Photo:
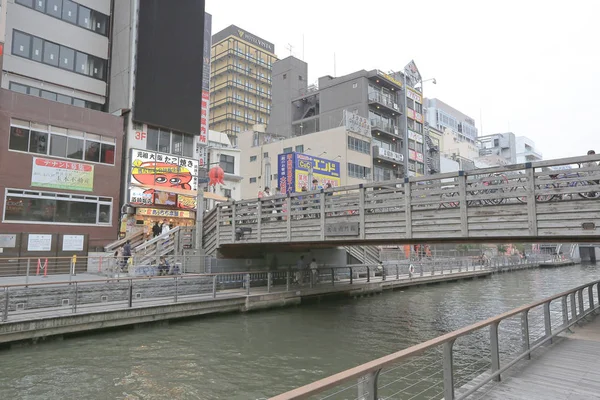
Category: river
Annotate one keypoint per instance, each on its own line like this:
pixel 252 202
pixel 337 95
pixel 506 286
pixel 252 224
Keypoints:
pixel 257 355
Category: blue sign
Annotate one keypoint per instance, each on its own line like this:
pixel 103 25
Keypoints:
pixel 293 171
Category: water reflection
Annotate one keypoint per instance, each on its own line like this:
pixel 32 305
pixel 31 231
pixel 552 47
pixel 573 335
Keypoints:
pixel 251 356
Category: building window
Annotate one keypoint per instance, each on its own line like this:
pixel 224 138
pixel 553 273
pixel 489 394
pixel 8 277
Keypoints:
pixel 252 180
pixel 265 155
pixel 287 150
pixel 227 193
pixel 56 208
pixel 71 12
pixel 227 163
pixel 299 77
pixel 61 142
pixel 58 56
pixel 252 158
pixel 354 85
pixel 300 148
pixel 361 146
pixel 358 171
pixel 176 143
pixel 284 76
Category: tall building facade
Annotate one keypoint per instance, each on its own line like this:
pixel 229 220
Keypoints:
pixel 527 151
pixel 391 104
pixel 240 83
pixel 57 50
pixel 502 145
pixel 163 105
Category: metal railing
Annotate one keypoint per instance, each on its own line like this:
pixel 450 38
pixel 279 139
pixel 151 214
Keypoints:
pixel 527 201
pixel 446 372
pixel 118 285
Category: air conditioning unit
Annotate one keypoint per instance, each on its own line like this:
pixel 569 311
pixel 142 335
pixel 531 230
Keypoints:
pixel 395 106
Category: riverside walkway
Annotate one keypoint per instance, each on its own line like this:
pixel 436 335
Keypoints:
pixel 56 307
pixel 526 353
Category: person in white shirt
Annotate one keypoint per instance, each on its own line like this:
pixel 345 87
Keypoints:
pixel 165 227
pixel 314 270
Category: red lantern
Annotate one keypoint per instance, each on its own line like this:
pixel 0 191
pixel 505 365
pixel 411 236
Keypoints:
pixel 216 175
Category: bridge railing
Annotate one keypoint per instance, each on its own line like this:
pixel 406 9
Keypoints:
pixel 523 200
pixel 444 368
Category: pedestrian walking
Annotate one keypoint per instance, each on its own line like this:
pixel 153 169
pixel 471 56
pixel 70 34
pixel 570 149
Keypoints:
pixel 314 270
pixel 127 252
pixel 299 270
pixel 156 229
pixel 165 227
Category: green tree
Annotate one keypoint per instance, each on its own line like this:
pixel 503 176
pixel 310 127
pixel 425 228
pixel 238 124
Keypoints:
pixel 502 248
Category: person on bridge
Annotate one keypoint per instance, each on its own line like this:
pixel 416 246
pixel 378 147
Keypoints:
pixel 314 271
pixel 127 252
pixel 156 230
pixel 165 227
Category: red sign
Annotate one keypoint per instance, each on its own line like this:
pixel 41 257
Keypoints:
pixel 204 118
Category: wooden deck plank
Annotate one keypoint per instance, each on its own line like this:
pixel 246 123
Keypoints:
pixel 565 371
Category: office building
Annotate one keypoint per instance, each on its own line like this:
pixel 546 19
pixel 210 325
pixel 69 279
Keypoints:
pixel 57 50
pixel 340 156
pixel 527 150
pixel 500 145
pixel 240 81
pixel 159 83
pixel 394 115
pixel 443 116
pixel 222 153
pixel 59 154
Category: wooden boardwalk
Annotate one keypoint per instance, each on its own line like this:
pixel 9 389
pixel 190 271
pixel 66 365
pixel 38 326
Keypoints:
pixel 527 202
pixel 567 370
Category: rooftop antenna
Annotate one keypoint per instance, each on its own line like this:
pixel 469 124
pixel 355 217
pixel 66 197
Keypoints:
pixel 334 73
pixel 289 47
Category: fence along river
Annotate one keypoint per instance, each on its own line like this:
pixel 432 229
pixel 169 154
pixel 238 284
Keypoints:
pixel 258 355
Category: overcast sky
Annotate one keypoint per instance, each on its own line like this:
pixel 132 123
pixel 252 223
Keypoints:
pixel 531 67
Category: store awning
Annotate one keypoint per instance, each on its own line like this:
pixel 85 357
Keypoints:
pixel 190 193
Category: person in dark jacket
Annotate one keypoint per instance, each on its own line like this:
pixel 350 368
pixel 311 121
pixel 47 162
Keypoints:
pixel 156 229
pixel 126 252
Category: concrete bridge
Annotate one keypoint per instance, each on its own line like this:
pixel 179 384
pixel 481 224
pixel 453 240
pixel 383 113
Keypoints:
pixel 554 200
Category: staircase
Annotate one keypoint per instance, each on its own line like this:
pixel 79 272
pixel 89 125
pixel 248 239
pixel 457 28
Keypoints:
pixel 369 255
pixel 168 244
pixel 135 239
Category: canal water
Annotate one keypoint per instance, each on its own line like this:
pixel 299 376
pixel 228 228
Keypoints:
pixel 257 355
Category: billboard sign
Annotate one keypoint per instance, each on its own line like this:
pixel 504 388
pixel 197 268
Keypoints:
pixel 357 124
pixel 203 139
pixel 162 179
pixel 294 170
pixel 58 174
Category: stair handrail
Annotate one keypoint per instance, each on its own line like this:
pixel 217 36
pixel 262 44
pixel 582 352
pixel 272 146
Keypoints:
pixel 121 242
pixel 156 239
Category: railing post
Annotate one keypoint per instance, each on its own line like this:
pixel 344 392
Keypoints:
pixel 176 289
pixel 448 366
pixel 547 321
pixel 214 286
pixel 495 350
pixel 75 300
pixel 233 214
pixel 573 306
pixel 323 198
pixel 462 198
pixel 361 211
pixel 383 275
pixel 288 221
pixel 332 277
pixel 408 208
pixel 367 386
pixel 368 274
pixel 525 333
pixel 269 280
pixel 259 220
pixel 531 204
pixel 421 269
pixel 565 310
pixel 247 276
pixel 27 275
pixel 287 280
pixel 351 276
pixel 5 312
pixel 580 299
pixel 130 293
pixel 397 272
pixel 591 296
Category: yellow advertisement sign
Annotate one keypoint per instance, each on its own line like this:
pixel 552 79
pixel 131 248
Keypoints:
pixel 302 180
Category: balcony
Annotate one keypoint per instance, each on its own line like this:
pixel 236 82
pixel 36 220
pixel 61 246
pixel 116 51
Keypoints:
pixel 241 55
pixel 383 101
pixel 378 125
pixel 387 155
pixel 245 87
pixel 531 155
